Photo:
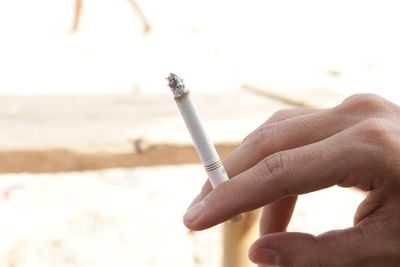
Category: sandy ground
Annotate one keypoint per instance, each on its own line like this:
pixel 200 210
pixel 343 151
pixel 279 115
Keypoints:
pixel 119 217
pixel 127 217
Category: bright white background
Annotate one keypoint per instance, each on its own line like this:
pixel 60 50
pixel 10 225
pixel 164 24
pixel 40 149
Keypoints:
pixel 215 45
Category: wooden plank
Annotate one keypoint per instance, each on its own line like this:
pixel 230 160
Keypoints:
pixel 238 237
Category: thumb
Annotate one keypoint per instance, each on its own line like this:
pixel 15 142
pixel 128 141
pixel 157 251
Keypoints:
pixel 347 247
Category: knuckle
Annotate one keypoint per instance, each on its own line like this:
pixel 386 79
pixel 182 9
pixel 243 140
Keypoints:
pixel 271 168
pixel 256 139
pixel 378 132
pixel 253 138
pixel 280 115
pixel 246 140
pixel 274 164
pixel 369 103
pixel 267 126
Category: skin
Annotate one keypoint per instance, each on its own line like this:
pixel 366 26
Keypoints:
pixel 298 151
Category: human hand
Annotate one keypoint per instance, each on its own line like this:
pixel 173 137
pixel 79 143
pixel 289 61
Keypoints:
pixel 356 143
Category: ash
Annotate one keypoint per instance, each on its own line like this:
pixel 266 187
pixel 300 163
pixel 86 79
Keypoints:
pixel 176 84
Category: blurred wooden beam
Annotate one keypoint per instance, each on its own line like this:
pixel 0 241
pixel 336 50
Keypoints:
pixel 238 238
pixel 133 3
pixel 77 15
pixel 143 18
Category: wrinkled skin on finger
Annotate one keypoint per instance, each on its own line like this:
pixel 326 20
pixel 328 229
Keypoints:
pixel 355 144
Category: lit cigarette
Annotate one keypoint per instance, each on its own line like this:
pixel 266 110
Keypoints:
pixel 205 148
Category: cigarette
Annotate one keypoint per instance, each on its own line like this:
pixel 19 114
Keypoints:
pixel 204 147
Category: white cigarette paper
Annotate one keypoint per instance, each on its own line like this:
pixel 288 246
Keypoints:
pixel 204 147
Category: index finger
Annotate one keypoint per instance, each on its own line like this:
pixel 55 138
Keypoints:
pixel 291 172
pixel 234 163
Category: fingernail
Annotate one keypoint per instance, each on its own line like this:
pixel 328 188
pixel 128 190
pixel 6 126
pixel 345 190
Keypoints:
pixel 266 256
pixel 194 212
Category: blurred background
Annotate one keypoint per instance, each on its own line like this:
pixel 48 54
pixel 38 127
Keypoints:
pixel 96 165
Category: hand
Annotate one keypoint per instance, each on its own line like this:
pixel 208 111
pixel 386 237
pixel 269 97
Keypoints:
pixel 356 143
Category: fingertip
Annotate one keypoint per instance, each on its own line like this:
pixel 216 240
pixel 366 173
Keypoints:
pixel 277 248
pixel 192 216
pixel 257 245
pixel 207 188
pixel 266 256
pixel 193 226
pixel 253 248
